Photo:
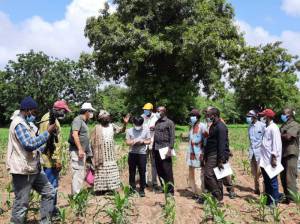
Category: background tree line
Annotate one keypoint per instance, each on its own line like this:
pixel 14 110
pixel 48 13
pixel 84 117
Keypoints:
pixel 181 54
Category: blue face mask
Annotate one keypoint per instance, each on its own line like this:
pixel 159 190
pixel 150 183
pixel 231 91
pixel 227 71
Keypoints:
pixel 193 120
pixel 249 120
pixel 147 112
pixel 30 118
pixel 284 118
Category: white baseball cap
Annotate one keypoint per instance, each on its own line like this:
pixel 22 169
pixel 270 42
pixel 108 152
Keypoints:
pixel 87 106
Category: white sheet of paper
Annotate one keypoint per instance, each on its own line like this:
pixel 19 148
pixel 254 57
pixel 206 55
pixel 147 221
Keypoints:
pixel 163 152
pixel 223 172
pixel 272 172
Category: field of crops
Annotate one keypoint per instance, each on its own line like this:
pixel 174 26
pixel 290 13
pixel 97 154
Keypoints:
pixel 123 207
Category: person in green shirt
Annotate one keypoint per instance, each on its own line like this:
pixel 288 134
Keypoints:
pixel 51 157
pixel 290 132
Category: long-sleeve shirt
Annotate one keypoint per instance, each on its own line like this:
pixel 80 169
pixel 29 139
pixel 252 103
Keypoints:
pixel 217 142
pixel 256 132
pixel 164 134
pixel 271 145
pixel 28 142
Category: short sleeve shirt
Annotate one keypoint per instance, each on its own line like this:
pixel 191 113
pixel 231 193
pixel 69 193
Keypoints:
pixel 79 125
pixel 142 134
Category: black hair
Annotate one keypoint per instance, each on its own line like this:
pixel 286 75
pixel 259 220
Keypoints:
pixel 138 120
pixel 83 111
pixel 215 111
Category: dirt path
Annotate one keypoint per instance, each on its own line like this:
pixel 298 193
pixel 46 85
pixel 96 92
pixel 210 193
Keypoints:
pixel 149 209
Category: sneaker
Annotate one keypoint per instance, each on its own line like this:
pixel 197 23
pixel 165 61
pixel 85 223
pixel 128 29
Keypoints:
pixel 157 189
pixel 232 195
pixel 142 193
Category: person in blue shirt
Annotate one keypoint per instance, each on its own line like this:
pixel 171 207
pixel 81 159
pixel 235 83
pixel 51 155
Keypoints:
pixel 255 132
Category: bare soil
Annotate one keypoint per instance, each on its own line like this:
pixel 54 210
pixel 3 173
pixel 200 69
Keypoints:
pixel 149 209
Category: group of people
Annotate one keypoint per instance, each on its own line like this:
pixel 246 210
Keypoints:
pixel 270 148
pixel 34 154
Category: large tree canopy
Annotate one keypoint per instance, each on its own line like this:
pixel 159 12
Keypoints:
pixel 165 49
pixel 46 80
pixel 265 77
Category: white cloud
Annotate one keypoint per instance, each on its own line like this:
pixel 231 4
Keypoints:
pixel 63 38
pixel 258 35
pixel 291 7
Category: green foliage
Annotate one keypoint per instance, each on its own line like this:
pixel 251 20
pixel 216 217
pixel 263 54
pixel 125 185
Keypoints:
pixel 261 206
pixel 262 68
pixel 276 214
pixel 296 198
pixel 46 80
pixel 9 190
pixel 212 209
pixel 113 99
pixel 164 50
pixel 169 208
pixel 62 213
pixel 79 202
pixel 120 205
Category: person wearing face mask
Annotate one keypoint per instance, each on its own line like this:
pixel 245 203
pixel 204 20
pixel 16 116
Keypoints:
pixel 80 146
pixel 290 133
pixel 51 157
pixel 138 138
pixel 107 177
pixel 23 163
pixel 150 119
pixel 215 153
pixel 270 154
pixel 255 132
pixel 164 136
pixel 197 136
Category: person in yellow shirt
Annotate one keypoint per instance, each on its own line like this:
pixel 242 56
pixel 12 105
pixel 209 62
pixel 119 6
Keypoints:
pixel 51 157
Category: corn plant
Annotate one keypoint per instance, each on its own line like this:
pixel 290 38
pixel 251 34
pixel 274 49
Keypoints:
pixel 79 202
pixel 246 165
pixel 296 198
pixel 261 206
pixel 9 190
pixel 64 159
pixel 276 214
pixel 169 208
pixel 212 210
pixel 62 214
pixel 120 206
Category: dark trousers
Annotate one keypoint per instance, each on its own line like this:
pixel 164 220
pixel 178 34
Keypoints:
pixel 271 187
pixel 22 185
pixel 227 182
pixel 289 175
pixel 164 170
pixel 212 184
pixel 137 161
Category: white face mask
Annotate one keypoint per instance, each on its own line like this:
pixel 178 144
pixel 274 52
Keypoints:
pixel 158 115
pixel 138 128
pixel 91 115
pixel 62 117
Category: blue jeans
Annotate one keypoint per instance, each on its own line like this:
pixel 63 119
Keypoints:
pixel 53 175
pixel 22 185
pixel 271 187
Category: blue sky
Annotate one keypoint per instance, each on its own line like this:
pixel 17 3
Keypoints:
pixel 56 26
pixel 19 10
pixel 265 13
